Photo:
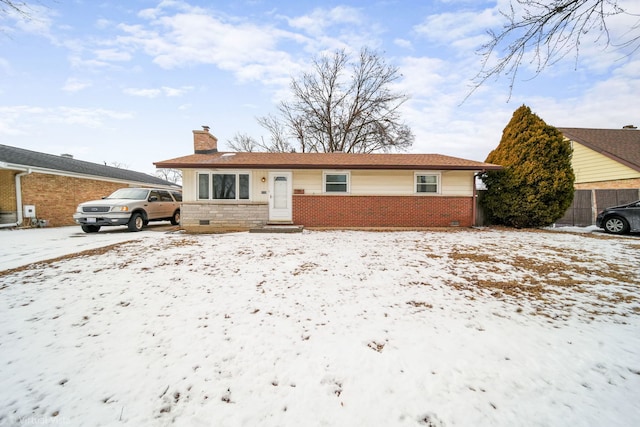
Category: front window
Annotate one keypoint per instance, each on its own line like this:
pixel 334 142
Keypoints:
pixel 223 186
pixel 336 182
pixel 427 183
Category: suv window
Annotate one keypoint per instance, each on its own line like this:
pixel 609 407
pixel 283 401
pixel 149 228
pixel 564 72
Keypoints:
pixel 177 196
pixel 165 196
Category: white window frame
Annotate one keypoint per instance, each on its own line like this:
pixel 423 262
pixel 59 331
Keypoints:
pixel 438 176
pixel 210 174
pixel 334 172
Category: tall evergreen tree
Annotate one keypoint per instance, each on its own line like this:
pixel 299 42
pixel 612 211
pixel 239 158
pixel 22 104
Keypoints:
pixel 535 188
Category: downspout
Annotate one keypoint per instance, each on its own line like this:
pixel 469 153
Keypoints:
pixel 475 201
pixel 18 200
pixel 475 198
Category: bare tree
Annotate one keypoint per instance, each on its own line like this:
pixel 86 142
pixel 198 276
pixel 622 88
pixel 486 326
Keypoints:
pixel 10 6
pixel 243 142
pixel 115 164
pixel 342 106
pixel 276 144
pixel 279 142
pixel 548 31
pixel 171 175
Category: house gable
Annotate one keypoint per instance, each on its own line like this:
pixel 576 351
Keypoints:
pixel 604 155
pixel 593 166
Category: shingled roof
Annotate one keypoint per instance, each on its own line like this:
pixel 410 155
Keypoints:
pixel 324 161
pixel 13 157
pixel 621 145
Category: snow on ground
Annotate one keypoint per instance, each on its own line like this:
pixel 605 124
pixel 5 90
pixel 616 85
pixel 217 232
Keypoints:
pixel 20 247
pixel 468 327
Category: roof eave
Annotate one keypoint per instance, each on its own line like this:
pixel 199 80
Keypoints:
pixel 37 169
pixel 323 166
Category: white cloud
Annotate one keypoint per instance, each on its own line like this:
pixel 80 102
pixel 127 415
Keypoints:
pixel 319 20
pixel 248 50
pixel 172 91
pixel 145 93
pixel 112 55
pixel 156 92
pixel 23 119
pixel 36 20
pixel 5 66
pixel 404 43
pixel 456 27
pixel 75 85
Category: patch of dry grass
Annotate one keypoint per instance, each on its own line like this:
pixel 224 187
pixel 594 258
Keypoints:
pixel 551 281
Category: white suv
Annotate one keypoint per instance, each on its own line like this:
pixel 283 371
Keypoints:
pixel 133 207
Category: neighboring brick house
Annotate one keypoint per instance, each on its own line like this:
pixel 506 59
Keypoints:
pixel 55 185
pixel 606 164
pixel 239 191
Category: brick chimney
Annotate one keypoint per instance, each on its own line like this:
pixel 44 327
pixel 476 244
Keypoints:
pixel 204 142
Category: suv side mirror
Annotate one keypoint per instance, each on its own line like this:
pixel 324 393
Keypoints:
pixel 153 198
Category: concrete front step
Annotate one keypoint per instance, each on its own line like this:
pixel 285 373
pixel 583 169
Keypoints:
pixel 278 228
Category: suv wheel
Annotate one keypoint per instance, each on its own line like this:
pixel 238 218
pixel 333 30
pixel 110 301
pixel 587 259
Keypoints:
pixel 175 220
pixel 136 222
pixel 90 228
pixel 616 225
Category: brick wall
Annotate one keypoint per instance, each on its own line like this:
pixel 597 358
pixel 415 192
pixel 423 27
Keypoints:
pixel 610 185
pixel 218 217
pixel 7 191
pixel 382 211
pixel 56 197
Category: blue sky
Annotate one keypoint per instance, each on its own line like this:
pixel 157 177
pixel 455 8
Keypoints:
pixel 127 82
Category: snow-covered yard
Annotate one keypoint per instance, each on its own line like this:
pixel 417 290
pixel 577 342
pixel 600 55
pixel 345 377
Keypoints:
pixel 466 327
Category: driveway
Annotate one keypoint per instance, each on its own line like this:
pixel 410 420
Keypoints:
pixel 26 246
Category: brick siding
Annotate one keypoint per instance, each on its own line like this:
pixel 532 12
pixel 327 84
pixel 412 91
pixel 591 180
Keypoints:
pixel 56 197
pixel 610 185
pixel 382 211
pixel 7 191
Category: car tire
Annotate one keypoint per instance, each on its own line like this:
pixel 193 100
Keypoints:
pixel 175 219
pixel 90 228
pixel 136 222
pixel 616 225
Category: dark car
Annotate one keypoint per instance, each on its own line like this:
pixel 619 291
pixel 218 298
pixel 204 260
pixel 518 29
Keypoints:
pixel 620 219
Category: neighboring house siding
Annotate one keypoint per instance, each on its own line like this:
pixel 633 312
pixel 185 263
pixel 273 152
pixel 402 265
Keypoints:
pixel 589 166
pixel 56 197
pixel 7 190
pixel 382 211
pixel 7 197
pixel 609 185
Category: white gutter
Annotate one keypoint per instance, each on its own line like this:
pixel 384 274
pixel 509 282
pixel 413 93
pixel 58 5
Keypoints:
pixel 18 200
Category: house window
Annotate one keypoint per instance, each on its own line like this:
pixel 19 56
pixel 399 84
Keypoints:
pixel 336 182
pixel 204 183
pixel 427 183
pixel 223 186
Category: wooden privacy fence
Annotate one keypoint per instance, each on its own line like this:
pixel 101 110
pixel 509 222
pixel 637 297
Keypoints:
pixel 587 203
pixel 585 207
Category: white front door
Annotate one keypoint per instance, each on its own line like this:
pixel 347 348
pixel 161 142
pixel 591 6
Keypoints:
pixel 280 196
